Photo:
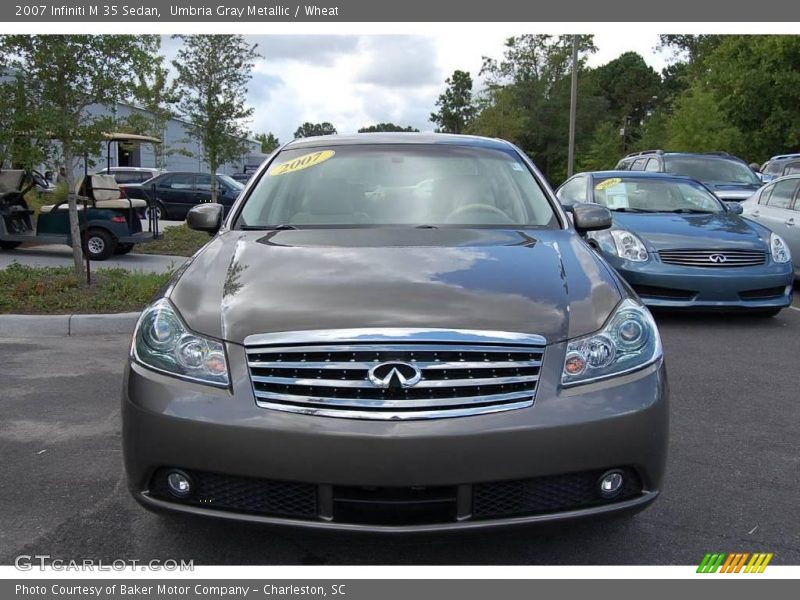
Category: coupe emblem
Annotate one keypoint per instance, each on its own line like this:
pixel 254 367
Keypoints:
pixel 718 258
pixel 394 375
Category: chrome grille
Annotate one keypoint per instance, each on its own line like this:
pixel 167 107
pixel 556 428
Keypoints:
pixel 713 258
pixel 327 373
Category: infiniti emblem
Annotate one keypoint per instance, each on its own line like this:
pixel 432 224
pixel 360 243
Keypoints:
pixel 394 375
pixel 718 258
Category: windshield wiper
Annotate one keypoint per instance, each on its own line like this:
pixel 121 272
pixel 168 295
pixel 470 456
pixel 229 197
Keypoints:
pixel 281 227
pixel 694 211
pixel 426 227
pixel 623 209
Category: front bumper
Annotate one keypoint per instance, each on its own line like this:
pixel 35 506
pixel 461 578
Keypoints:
pixel 566 436
pixel 708 288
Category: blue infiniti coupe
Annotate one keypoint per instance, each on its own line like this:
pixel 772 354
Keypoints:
pixel 679 246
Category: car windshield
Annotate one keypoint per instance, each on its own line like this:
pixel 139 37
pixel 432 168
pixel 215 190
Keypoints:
pixel 654 195
pixel 231 182
pixel 707 169
pixel 397 184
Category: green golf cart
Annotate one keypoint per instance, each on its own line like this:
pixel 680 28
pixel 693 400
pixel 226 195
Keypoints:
pixel 110 223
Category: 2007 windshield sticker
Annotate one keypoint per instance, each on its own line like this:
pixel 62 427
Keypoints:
pixel 607 183
pixel 302 162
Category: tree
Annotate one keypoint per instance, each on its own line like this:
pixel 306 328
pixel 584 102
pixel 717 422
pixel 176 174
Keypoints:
pixel 64 76
pixel 314 129
pixel 456 108
pixel 157 96
pixel 268 142
pixel 499 115
pixel 387 127
pixel 213 73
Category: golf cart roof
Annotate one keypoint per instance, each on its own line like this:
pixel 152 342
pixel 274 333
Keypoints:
pixel 130 137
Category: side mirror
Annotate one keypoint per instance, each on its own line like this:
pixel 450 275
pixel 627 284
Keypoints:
pixel 734 207
pixel 205 217
pixel 567 207
pixel 591 217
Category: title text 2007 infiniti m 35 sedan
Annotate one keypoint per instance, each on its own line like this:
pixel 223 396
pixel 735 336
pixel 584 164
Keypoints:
pixel 396 332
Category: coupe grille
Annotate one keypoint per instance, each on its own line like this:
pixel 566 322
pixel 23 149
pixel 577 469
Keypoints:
pixel 454 378
pixel 713 258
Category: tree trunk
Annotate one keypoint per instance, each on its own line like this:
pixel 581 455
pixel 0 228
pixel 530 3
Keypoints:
pixel 74 225
pixel 213 182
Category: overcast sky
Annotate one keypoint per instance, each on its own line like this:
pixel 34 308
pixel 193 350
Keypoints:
pixel 358 80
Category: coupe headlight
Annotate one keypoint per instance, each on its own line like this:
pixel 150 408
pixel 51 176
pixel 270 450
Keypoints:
pixel 163 342
pixel 623 243
pixel 629 340
pixel 779 249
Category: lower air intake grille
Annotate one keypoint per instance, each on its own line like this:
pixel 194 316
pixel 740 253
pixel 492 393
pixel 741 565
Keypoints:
pixel 546 494
pixel 244 494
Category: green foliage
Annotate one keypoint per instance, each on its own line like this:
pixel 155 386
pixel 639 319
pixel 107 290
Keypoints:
pixel 213 73
pixel 456 107
pixel 698 124
pixel 386 127
pixel 55 290
pixel 175 241
pixel 314 129
pixel 499 115
pixel 603 150
pixel 268 141
pixel 64 75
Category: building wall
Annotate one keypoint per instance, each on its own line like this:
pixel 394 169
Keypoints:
pixel 178 136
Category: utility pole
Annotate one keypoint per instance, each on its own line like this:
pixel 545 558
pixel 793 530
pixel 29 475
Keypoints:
pixel 573 103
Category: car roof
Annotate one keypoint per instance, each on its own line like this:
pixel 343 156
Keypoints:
pixel 397 138
pixel 638 175
pixel 712 155
pixel 784 157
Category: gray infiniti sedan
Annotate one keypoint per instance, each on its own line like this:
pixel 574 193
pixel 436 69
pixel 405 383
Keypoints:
pixel 396 332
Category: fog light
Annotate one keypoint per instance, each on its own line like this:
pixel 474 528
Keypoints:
pixel 611 484
pixel 179 484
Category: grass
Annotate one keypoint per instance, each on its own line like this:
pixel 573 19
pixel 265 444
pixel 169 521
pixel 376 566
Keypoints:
pixel 175 241
pixel 55 290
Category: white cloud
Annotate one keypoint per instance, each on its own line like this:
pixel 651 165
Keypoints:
pixel 357 80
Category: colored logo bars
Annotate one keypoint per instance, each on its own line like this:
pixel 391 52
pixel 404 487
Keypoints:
pixel 735 563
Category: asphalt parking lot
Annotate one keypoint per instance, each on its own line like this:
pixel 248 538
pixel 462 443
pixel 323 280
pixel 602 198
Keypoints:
pixel 733 478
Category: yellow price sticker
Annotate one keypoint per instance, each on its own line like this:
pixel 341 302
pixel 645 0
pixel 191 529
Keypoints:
pixel 607 183
pixel 301 162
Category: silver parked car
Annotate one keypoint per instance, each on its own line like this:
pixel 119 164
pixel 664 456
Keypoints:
pixel 396 332
pixel 777 206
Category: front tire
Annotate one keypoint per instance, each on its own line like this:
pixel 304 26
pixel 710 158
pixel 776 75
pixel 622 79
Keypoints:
pixel 99 244
pixel 9 245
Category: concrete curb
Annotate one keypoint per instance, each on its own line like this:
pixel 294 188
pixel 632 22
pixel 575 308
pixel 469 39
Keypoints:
pixel 25 326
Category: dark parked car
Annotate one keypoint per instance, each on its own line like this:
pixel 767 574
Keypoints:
pixel 679 246
pixel 729 177
pixel 177 192
pixel 396 332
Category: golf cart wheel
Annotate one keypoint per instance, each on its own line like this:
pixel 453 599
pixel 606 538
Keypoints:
pixel 123 248
pixel 161 212
pixel 9 245
pixel 99 244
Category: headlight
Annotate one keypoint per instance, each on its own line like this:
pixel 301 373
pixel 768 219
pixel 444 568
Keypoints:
pixel 779 249
pixel 629 340
pixel 623 243
pixel 162 341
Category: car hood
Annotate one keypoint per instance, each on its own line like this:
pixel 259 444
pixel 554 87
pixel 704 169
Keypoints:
pixel 733 192
pixel 663 231
pixel 546 282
